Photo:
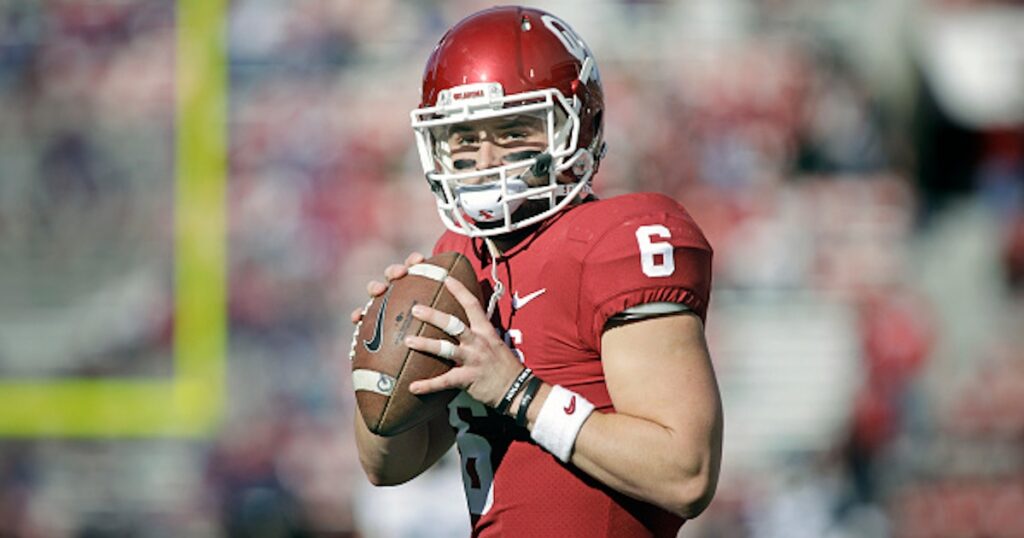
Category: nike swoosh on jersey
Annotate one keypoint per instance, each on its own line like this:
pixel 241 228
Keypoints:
pixel 373 344
pixel 519 302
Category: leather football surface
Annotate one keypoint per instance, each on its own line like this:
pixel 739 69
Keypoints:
pixel 382 365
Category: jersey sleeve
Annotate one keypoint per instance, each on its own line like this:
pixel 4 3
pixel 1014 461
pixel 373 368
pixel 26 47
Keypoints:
pixel 652 253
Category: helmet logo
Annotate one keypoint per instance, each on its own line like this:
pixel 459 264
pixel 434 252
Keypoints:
pixel 468 94
pixel 472 95
pixel 570 39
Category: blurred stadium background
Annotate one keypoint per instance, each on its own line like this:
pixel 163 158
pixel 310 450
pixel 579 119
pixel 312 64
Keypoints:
pixel 857 164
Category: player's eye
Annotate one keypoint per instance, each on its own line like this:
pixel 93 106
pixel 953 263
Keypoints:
pixel 512 136
pixel 462 140
pixel 464 164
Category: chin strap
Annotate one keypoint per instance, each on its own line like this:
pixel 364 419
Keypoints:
pixel 499 287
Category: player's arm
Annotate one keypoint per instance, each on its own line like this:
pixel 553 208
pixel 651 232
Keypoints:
pixel 664 443
pixel 389 461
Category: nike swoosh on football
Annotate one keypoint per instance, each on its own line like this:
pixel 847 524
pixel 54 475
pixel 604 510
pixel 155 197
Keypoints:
pixel 519 302
pixel 373 344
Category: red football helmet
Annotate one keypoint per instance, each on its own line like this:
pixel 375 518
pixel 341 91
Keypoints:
pixel 510 61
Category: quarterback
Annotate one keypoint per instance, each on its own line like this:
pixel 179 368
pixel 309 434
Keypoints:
pixel 588 403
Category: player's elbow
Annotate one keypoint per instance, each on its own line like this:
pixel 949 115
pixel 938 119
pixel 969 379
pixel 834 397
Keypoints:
pixel 378 477
pixel 380 473
pixel 381 480
pixel 689 496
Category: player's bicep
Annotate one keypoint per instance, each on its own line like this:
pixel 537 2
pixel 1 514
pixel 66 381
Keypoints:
pixel 660 369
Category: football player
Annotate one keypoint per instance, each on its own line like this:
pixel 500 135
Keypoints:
pixel 589 406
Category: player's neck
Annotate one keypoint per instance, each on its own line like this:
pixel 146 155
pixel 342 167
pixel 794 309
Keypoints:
pixel 505 243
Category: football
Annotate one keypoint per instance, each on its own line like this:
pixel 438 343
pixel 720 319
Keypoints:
pixel 382 365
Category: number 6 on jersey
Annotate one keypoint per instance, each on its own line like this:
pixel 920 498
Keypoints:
pixel 655 256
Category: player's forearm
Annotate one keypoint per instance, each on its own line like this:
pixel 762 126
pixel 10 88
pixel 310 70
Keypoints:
pixel 388 461
pixel 646 460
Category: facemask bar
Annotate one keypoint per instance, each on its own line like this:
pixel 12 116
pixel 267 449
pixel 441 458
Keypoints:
pixel 560 156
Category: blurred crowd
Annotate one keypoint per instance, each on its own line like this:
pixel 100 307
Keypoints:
pixel 869 258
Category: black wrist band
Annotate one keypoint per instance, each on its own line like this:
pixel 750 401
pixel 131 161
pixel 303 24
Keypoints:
pixel 512 391
pixel 528 394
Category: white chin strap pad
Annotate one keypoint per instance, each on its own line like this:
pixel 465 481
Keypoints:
pixel 484 203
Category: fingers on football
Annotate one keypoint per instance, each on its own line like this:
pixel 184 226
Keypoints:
pixel 376 289
pixel 440 348
pixel 453 379
pixel 441 320
pixel 395 271
pixel 357 315
pixel 414 258
pixel 470 303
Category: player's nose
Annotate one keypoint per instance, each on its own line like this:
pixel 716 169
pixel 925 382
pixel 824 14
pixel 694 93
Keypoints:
pixel 488 156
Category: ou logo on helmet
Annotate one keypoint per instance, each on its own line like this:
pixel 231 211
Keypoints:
pixel 571 40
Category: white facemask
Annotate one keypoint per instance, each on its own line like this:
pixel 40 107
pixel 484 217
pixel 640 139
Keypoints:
pixel 461 205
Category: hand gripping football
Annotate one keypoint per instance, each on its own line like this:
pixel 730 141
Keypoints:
pixel 383 367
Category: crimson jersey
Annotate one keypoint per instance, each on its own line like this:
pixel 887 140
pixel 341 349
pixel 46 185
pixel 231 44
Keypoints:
pixel 563 282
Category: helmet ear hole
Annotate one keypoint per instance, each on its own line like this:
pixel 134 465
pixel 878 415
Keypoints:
pixel 598 147
pixel 597 142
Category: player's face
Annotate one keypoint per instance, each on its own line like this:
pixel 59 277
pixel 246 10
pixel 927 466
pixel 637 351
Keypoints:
pixel 495 142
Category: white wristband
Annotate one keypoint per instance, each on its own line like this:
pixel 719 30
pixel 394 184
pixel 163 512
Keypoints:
pixel 560 420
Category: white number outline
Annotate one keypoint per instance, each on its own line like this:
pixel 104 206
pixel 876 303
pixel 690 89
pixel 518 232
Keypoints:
pixel 514 338
pixel 473 446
